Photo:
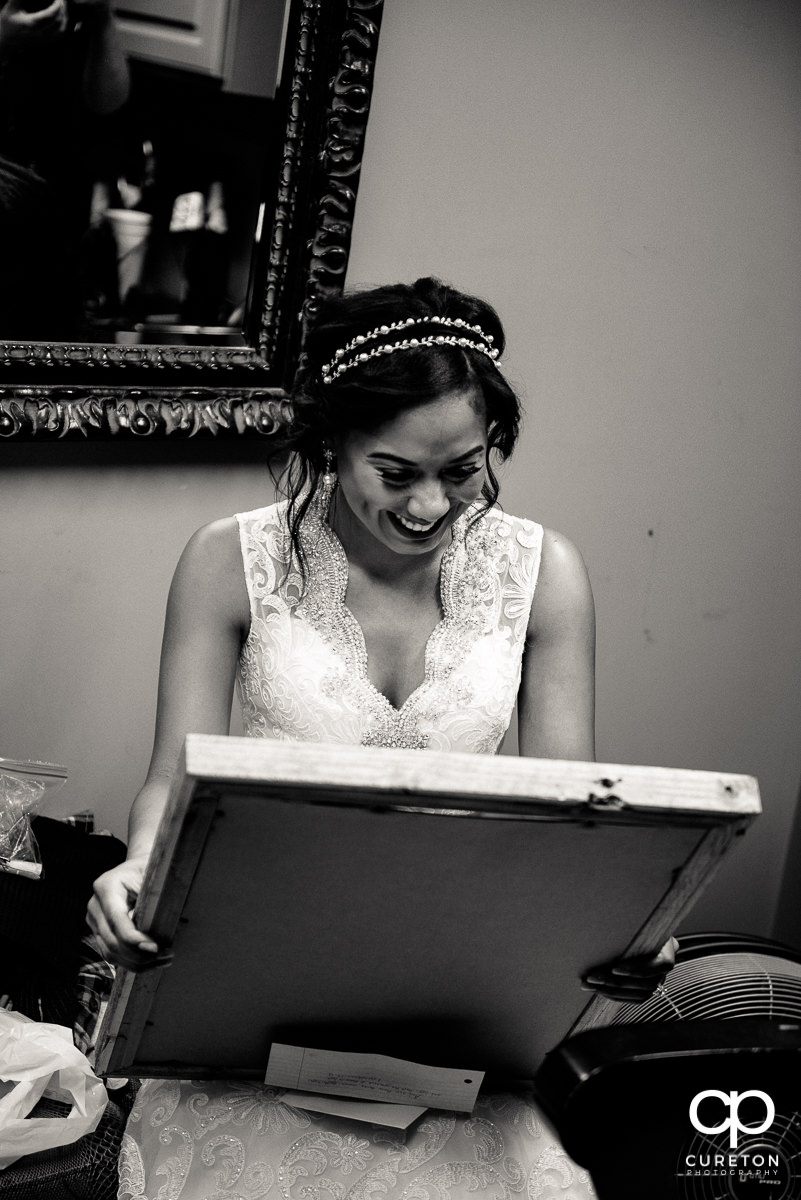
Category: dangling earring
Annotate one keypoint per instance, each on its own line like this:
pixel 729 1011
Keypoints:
pixel 328 459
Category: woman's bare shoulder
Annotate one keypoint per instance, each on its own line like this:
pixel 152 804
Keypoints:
pixel 210 571
pixel 560 556
pixel 564 592
pixel 213 550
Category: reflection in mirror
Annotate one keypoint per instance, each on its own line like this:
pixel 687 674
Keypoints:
pixel 132 150
pixel 239 170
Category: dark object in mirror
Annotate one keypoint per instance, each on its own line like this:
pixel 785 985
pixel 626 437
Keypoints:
pixel 166 248
pixel 151 381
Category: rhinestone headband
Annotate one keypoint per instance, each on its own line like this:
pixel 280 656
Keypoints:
pixel 353 354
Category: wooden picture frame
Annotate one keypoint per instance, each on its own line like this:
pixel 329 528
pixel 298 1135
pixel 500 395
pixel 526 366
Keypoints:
pixel 436 907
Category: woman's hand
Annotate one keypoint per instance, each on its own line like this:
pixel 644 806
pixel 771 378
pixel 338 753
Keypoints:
pixel 633 980
pixel 109 917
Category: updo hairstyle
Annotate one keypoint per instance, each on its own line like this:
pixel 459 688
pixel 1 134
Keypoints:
pixel 372 392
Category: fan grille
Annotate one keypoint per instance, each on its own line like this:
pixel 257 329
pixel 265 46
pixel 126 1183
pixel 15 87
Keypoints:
pixel 721 986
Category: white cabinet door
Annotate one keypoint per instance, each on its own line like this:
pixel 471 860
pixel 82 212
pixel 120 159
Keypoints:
pixel 181 33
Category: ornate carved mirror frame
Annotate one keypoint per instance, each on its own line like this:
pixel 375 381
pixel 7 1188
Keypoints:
pixel 90 390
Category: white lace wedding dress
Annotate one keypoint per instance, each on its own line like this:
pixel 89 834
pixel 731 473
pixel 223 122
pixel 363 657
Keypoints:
pixel 303 676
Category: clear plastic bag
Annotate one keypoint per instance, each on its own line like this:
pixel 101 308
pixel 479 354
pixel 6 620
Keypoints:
pixel 23 786
pixel 36 1060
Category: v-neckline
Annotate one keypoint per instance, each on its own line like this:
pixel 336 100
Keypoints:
pixel 336 580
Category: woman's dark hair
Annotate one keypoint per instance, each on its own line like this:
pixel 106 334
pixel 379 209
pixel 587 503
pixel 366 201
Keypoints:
pixel 372 392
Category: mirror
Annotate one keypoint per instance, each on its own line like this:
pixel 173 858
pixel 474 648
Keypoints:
pixel 179 336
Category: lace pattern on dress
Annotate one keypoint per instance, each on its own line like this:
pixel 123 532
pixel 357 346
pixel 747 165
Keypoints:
pixel 242 1141
pixel 303 669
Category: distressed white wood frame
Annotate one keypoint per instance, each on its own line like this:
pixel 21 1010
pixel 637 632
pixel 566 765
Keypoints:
pixel 308 900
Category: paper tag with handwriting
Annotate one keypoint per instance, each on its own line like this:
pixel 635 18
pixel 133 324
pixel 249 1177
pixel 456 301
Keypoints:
pixel 372 1077
pixel 374 1112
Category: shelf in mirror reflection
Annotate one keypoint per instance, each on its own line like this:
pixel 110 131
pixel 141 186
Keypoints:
pixel 164 333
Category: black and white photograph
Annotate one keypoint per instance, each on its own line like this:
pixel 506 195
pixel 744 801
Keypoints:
pixel 400 770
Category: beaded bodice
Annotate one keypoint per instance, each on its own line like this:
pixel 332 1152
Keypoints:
pixel 303 668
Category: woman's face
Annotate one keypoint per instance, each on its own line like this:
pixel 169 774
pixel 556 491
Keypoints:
pixel 408 481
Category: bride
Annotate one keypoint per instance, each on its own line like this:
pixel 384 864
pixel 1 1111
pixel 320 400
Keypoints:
pixel 387 600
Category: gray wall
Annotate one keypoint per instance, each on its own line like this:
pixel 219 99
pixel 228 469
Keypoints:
pixel 89 538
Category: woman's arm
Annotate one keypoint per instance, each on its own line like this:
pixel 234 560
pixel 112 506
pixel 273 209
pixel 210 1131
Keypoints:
pixel 556 707
pixel 556 701
pixel 207 620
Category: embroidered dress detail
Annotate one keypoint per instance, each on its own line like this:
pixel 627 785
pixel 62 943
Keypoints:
pixel 243 1141
pixel 303 671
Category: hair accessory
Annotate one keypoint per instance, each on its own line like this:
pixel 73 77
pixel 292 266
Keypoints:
pixel 477 339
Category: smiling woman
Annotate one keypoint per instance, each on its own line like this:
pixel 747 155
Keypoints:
pixel 386 601
pixel 389 601
pixel 376 355
pixel 406 485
